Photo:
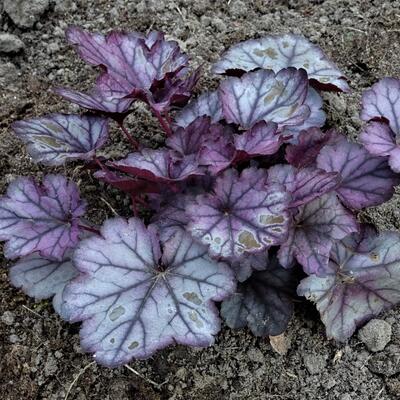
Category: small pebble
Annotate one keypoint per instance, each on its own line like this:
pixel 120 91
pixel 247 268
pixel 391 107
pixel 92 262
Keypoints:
pixel 314 363
pixel 10 43
pixel 376 334
pixel 8 318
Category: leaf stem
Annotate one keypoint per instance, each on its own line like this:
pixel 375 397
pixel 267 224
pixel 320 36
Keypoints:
pixel 134 143
pixel 164 124
pixel 89 229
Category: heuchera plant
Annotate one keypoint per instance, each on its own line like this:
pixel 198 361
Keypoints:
pixel 247 197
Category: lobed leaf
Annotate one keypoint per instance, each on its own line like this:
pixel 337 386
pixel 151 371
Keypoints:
pixel 263 302
pixel 366 180
pixel 42 278
pixel 58 138
pixel 283 51
pixel 134 300
pixel 362 279
pixel 265 96
pixel 40 218
pixel 317 225
pixel 382 101
pixel 242 215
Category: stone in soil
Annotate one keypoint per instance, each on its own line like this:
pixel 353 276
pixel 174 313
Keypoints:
pixel 10 43
pixel 25 13
pixel 376 334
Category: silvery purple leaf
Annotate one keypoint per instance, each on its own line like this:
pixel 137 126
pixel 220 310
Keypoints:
pixel 42 278
pixel 380 140
pixel 316 119
pixel 249 263
pixel 208 104
pixel 309 144
pixel 135 299
pixel 263 302
pixel 282 51
pixel 242 215
pixel 189 140
pixel 366 180
pixel 317 225
pixel 42 218
pixel 265 96
pixel 131 61
pixel 382 101
pixel 362 280
pixel 218 150
pixel 261 139
pixel 158 166
pixel 57 138
pixel 304 184
pixel 96 101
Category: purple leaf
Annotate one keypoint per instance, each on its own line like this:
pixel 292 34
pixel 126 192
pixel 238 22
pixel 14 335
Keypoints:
pixel 42 278
pixel 310 142
pixel 316 227
pixel 134 300
pixel 265 96
pixel 304 184
pixel 366 180
pixel 380 140
pixel 382 101
pixel 242 215
pixel 42 218
pixel 261 140
pixel 218 150
pixel 362 280
pixel 208 104
pixel 249 263
pixel 57 138
pixel 263 302
pixel 158 166
pixel 97 101
pixel 277 52
pixel 317 116
pixel 132 62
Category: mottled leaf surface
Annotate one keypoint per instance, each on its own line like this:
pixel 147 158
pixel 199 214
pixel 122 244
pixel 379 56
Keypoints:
pixel 382 101
pixel 282 51
pixel 362 279
pixel 135 299
pixel 265 96
pixel 42 218
pixel 366 180
pixel 207 104
pixel 42 278
pixel 263 302
pixel 243 214
pixel 57 138
pixel 158 166
pixel 317 225
pixel 304 184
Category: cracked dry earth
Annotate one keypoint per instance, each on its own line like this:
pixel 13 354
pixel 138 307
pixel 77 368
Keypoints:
pixel 39 355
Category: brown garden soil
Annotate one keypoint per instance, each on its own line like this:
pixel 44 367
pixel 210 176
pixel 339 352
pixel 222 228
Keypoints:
pixel 40 356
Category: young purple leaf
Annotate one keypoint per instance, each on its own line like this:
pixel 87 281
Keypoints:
pixel 97 101
pixel 208 104
pixel 261 140
pixel 57 138
pixel 317 225
pixel 304 184
pixel 263 302
pixel 158 166
pixel 309 144
pixel 382 101
pixel 42 278
pixel 277 52
pixel 265 96
pixel 380 140
pixel 242 215
pixel 362 280
pixel 316 119
pixel 134 300
pixel 42 218
pixel 365 180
